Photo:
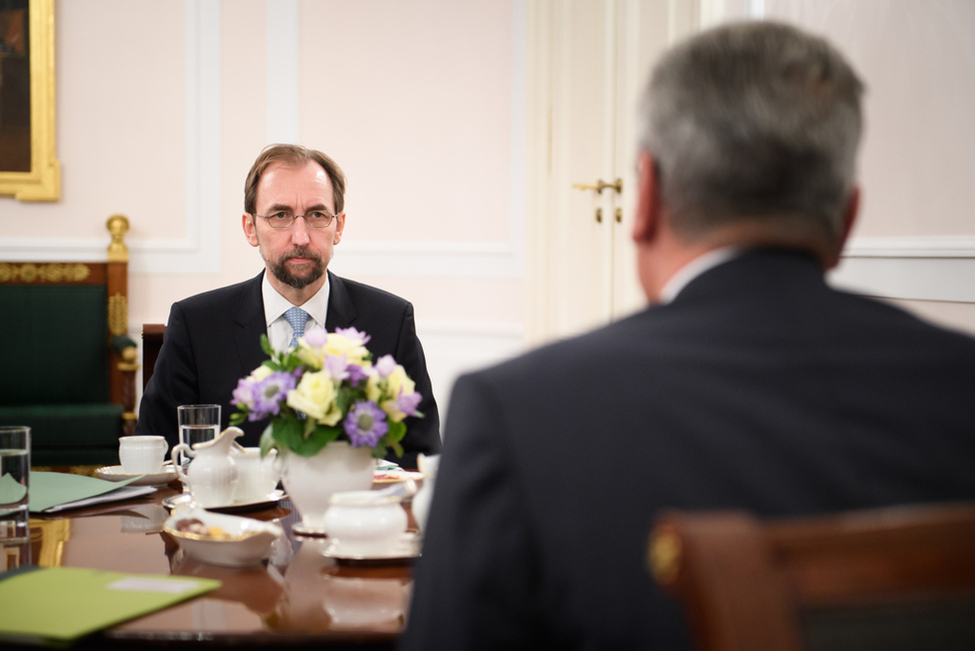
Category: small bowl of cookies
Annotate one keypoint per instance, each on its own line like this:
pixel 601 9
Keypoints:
pixel 220 539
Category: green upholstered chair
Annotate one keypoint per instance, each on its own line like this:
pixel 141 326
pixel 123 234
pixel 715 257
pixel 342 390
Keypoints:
pixel 68 364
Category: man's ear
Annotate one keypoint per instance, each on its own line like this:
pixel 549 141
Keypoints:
pixel 339 228
pixel 850 215
pixel 250 229
pixel 646 221
pixel 849 219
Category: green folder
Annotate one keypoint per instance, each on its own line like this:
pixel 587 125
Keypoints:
pixel 54 605
pixel 51 492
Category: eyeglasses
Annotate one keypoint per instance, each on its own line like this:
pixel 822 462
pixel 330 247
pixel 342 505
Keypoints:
pixel 284 219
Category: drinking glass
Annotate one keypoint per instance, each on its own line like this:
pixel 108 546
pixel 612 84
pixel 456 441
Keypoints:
pixel 14 482
pixel 197 424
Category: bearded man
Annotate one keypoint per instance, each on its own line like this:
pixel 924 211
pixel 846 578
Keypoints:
pixel 294 201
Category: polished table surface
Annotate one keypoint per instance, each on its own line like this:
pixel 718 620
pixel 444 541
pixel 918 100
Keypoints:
pixel 298 597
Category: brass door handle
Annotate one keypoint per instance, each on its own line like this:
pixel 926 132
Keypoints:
pixel 600 185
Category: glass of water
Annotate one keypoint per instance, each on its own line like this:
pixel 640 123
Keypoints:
pixel 14 483
pixel 197 424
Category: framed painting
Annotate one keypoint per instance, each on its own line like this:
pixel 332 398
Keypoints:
pixel 28 168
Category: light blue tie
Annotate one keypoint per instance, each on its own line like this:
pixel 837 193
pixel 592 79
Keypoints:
pixel 297 317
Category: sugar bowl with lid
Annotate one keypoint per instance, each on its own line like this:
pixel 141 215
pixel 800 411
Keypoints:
pixel 363 524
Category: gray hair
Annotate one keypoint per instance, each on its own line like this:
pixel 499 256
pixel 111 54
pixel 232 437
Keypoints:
pixel 754 120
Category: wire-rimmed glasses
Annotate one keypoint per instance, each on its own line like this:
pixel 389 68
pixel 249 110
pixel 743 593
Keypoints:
pixel 284 219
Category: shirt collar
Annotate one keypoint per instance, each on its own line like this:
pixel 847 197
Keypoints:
pixel 276 305
pixel 695 268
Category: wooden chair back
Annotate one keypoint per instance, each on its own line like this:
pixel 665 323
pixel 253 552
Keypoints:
pixel 152 339
pixel 897 578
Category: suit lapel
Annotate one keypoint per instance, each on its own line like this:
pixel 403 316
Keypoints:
pixel 250 324
pixel 341 311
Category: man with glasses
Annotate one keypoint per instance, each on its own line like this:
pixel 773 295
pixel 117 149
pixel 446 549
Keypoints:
pixel 293 213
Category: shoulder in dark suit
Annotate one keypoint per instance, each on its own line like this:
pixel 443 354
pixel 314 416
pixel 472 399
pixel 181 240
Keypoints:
pixel 759 387
pixel 212 340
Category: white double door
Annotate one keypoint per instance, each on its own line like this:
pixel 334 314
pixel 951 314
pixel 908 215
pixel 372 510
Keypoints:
pixel 588 62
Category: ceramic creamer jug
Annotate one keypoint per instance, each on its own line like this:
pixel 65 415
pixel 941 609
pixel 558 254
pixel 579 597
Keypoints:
pixel 212 475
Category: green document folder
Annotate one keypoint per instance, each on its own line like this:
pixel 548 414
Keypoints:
pixel 51 492
pixel 54 605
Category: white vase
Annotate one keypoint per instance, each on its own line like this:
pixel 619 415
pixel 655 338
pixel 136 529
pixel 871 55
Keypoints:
pixel 311 481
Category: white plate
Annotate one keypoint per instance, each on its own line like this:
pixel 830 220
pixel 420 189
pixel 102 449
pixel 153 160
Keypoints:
pixel 248 542
pixel 114 473
pixel 184 499
pixel 394 475
pixel 406 548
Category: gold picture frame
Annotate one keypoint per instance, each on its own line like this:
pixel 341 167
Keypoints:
pixel 43 181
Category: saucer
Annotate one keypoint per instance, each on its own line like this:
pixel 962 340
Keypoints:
pixel 299 529
pixel 114 473
pixel 395 475
pixel 239 507
pixel 406 549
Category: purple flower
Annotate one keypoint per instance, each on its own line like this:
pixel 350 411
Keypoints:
pixel 407 403
pixel 356 374
pixel 244 393
pixel 353 334
pixel 337 367
pixel 269 393
pixel 365 424
pixel 316 337
pixel 385 366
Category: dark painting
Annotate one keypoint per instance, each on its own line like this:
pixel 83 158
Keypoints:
pixel 15 114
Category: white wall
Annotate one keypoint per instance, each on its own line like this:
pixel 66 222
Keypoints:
pixel 915 240
pixel 163 106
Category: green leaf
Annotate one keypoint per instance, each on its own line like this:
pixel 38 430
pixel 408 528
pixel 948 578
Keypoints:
pixel 287 432
pixel 238 417
pixel 344 400
pixel 318 439
pixel 396 432
pixel 310 425
pixel 397 448
pixel 266 346
pixel 379 451
pixel 267 440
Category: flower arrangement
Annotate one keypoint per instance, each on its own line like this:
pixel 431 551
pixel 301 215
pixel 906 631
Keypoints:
pixel 327 389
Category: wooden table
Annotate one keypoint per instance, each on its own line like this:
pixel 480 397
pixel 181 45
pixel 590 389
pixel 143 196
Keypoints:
pixel 299 597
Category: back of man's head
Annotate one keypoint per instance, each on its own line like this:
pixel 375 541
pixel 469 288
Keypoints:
pixel 754 121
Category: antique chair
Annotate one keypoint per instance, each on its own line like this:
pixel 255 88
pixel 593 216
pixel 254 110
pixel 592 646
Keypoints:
pixel 897 578
pixel 69 366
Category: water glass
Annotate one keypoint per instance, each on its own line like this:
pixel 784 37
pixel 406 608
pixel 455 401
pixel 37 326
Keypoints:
pixel 14 483
pixel 197 424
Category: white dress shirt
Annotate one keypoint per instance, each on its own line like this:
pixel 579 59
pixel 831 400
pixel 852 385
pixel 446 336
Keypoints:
pixel 695 268
pixel 279 331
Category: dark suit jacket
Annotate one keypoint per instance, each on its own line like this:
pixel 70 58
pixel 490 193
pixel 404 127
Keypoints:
pixel 212 340
pixel 759 387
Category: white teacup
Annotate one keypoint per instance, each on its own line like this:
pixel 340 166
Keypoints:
pixel 256 477
pixel 142 454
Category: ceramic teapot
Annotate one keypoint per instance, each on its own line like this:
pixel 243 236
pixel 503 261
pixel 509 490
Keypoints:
pixel 212 475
